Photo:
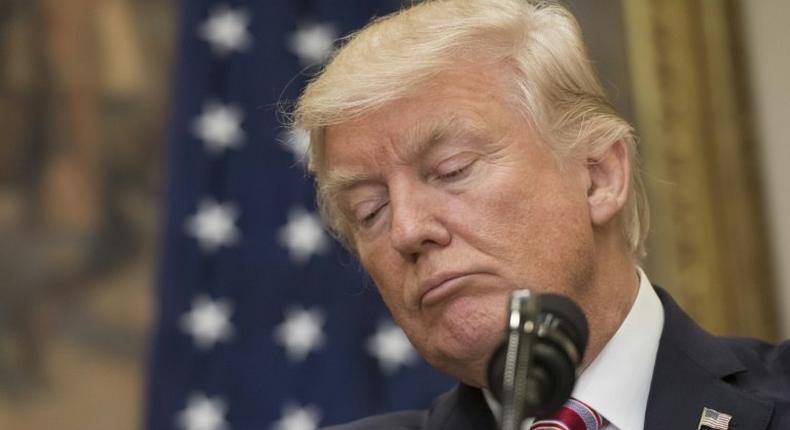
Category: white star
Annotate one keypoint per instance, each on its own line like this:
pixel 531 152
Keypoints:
pixel 313 43
pixel 301 332
pixel 214 225
pixel 208 321
pixel 226 30
pixel 298 418
pixel 219 126
pixel 303 235
pixel 297 142
pixel 203 413
pixel 391 347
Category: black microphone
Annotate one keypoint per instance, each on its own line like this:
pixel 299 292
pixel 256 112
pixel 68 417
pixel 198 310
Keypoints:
pixel 533 372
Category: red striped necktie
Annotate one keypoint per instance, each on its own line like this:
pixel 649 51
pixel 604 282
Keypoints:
pixel 574 415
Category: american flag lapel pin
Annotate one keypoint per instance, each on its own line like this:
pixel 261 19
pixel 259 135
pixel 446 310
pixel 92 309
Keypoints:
pixel 713 420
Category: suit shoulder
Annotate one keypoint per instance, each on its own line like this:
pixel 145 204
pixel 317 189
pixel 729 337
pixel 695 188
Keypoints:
pixel 767 371
pixel 755 353
pixel 404 420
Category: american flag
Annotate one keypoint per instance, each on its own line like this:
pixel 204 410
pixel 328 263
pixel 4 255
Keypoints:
pixel 714 420
pixel 263 321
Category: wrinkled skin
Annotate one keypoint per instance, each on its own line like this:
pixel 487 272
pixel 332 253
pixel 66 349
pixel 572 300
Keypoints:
pixel 455 202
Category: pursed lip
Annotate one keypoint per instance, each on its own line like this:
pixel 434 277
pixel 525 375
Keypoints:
pixel 430 289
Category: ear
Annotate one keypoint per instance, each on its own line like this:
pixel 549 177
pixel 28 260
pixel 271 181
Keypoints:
pixel 609 181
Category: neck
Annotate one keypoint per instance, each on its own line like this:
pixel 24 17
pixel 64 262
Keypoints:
pixel 610 295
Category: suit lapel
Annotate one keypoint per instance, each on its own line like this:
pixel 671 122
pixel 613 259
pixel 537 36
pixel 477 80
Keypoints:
pixel 691 373
pixel 463 408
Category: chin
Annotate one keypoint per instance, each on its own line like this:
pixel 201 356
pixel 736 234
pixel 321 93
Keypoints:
pixel 465 338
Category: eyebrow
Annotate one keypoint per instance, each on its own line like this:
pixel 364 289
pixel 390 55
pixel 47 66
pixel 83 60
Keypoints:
pixel 420 141
pixel 342 180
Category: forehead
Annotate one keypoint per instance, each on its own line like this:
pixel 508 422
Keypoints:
pixel 471 99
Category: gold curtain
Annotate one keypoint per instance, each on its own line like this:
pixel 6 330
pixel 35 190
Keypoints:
pixel 708 241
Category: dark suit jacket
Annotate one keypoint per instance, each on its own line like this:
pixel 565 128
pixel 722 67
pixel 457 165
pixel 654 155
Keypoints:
pixel 744 378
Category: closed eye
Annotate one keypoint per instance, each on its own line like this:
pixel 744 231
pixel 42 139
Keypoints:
pixel 453 174
pixel 456 174
pixel 370 218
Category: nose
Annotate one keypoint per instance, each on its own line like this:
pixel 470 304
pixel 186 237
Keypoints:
pixel 417 223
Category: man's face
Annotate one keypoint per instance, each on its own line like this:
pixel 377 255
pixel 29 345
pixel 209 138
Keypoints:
pixel 453 203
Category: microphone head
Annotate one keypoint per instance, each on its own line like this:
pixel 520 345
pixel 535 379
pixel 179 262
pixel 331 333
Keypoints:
pixel 571 320
pixel 560 339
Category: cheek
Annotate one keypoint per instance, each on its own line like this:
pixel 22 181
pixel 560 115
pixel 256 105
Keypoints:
pixel 387 273
pixel 533 227
pixel 560 246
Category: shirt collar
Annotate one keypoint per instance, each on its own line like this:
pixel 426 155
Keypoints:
pixel 616 384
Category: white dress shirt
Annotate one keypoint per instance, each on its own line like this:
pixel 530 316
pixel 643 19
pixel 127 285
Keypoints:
pixel 616 384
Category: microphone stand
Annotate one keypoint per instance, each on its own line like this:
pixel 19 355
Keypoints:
pixel 522 328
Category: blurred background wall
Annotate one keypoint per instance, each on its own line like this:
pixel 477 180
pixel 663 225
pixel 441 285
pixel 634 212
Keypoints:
pixel 84 87
pixel 768 62
pixel 83 110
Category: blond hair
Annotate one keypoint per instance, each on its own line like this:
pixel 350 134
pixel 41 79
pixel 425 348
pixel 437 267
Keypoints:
pixel 554 83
